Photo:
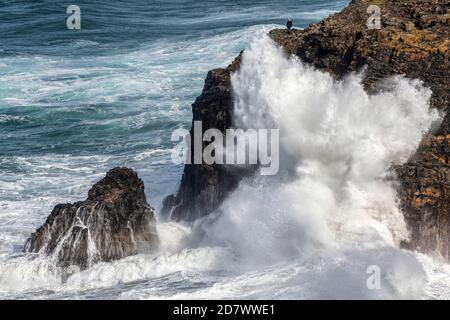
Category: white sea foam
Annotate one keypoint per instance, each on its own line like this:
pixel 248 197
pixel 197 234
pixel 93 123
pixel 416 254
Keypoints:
pixel 158 73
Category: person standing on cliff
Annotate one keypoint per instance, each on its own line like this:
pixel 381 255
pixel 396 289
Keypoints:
pixel 289 25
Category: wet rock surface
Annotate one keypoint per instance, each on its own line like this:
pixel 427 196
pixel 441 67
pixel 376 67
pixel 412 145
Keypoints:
pixel 115 221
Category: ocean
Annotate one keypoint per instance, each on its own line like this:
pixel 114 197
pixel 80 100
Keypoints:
pixel 76 103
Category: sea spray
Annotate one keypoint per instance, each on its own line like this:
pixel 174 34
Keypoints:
pixel 334 199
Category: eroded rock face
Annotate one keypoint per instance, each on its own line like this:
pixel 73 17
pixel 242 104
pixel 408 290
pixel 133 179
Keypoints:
pixel 425 195
pixel 203 187
pixel 414 40
pixel 115 221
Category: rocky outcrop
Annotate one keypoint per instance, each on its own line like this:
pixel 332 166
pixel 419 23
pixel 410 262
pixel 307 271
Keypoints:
pixel 115 221
pixel 414 41
pixel 203 187
pixel 405 44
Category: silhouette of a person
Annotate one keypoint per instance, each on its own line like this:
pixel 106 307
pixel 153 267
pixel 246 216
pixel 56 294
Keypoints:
pixel 289 25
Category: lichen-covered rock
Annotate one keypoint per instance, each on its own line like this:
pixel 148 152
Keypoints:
pixel 425 195
pixel 114 222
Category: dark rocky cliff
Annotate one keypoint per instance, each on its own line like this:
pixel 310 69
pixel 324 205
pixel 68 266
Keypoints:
pixel 203 187
pixel 413 40
pixel 114 222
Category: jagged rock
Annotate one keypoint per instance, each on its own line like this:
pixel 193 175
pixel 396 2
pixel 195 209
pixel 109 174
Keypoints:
pixel 414 40
pixel 203 187
pixel 114 222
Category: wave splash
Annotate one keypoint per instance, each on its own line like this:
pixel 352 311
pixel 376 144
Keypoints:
pixel 334 201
